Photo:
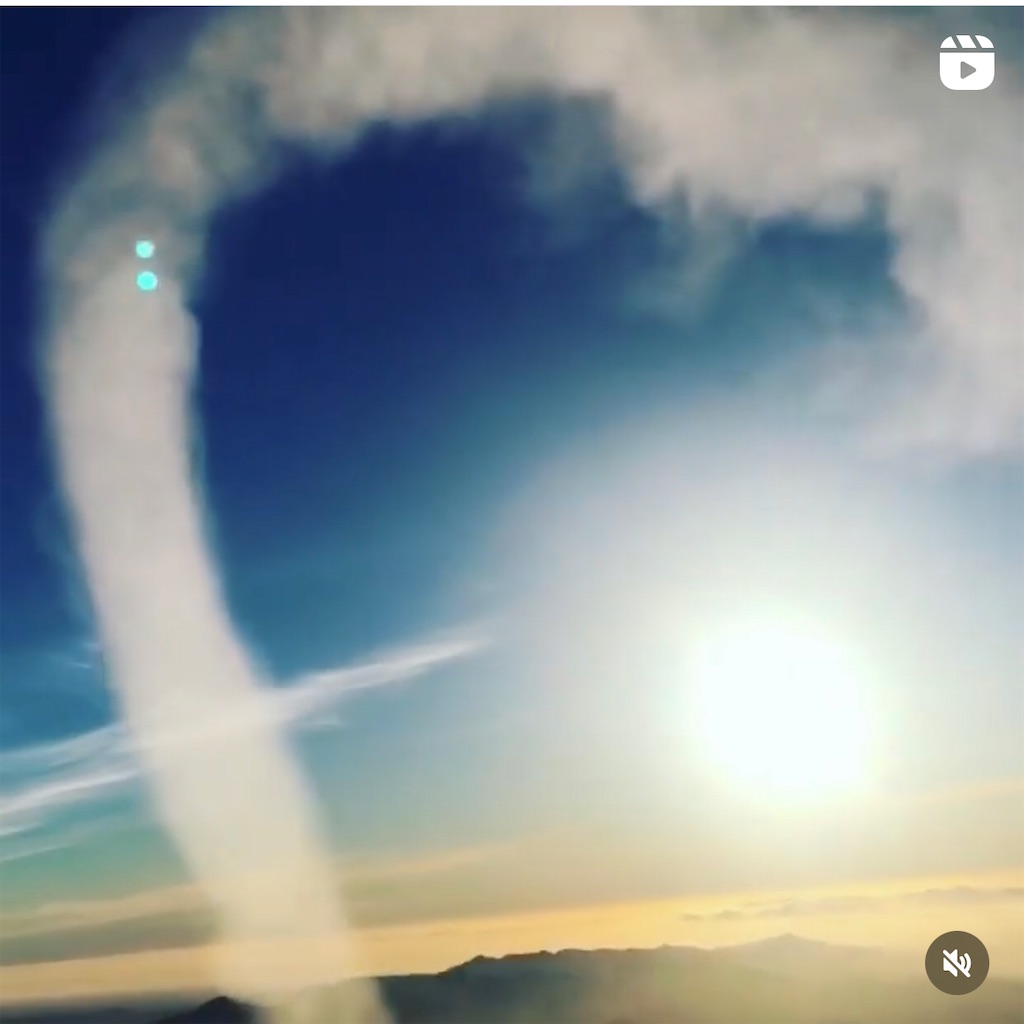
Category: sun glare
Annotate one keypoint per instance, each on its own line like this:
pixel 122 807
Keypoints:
pixel 781 710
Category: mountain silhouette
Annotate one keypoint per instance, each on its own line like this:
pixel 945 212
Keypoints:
pixel 221 1010
pixel 783 980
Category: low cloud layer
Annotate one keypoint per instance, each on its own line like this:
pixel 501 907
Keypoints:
pixel 179 916
pixel 795 907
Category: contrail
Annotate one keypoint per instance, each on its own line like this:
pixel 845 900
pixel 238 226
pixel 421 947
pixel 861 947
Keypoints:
pixel 763 115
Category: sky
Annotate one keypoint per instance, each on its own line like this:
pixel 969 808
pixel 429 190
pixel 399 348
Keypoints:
pixel 489 445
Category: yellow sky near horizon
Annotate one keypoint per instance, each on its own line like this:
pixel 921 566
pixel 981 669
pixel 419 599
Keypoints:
pixel 950 861
pixel 900 915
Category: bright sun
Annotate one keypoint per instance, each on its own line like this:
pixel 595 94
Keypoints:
pixel 781 710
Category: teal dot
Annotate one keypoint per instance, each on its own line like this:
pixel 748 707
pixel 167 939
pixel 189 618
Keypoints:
pixel 144 249
pixel 146 281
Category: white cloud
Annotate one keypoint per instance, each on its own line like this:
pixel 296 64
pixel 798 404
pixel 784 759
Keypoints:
pixel 72 787
pixel 762 114
pixel 40 781
pixel 319 692
pixel 43 757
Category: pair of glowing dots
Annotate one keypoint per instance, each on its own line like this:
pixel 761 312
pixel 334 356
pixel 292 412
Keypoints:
pixel 146 280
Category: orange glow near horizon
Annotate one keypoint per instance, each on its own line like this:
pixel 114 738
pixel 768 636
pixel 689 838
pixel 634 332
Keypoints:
pixel 895 915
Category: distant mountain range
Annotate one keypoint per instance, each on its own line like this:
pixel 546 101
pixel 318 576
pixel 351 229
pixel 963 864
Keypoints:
pixel 785 980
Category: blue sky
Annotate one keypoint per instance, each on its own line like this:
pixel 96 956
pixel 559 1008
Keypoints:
pixel 477 427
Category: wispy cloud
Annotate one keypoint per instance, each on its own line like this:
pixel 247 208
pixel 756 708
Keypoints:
pixel 813 906
pixel 26 843
pixel 172 911
pixel 57 754
pixel 374 870
pixel 68 915
pixel 319 692
pixel 39 781
pixel 25 804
